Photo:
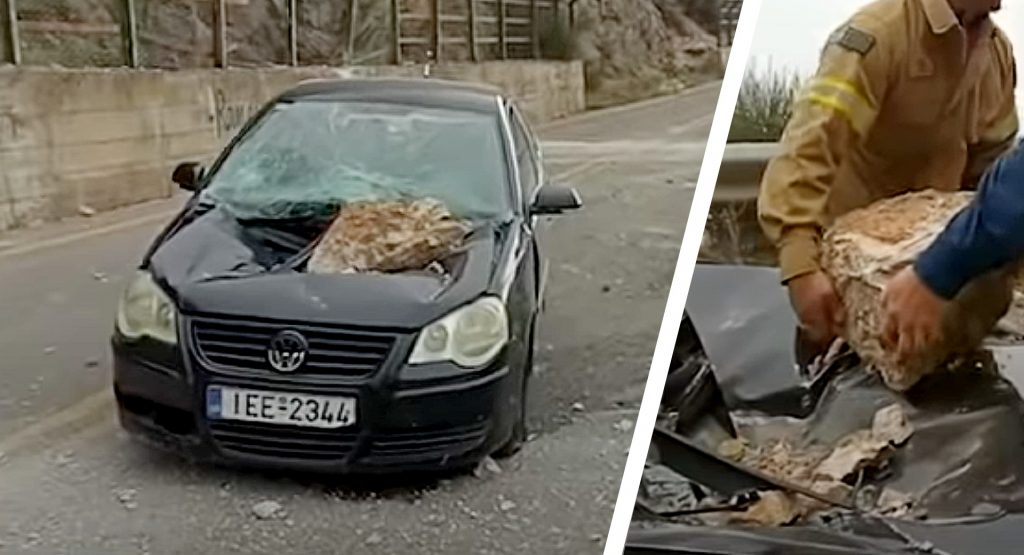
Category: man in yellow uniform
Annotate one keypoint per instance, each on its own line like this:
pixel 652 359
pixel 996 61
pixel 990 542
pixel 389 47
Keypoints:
pixel 909 94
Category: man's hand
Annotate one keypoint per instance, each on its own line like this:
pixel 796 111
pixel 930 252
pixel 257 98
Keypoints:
pixel 817 306
pixel 913 314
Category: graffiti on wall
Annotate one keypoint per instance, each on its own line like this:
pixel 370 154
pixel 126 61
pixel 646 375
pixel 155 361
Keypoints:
pixel 231 116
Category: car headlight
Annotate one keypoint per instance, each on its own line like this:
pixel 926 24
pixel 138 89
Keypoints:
pixel 146 311
pixel 470 336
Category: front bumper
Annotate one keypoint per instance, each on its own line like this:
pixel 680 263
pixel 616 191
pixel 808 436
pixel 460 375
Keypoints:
pixel 434 425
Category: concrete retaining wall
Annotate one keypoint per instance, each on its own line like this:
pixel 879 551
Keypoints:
pixel 74 140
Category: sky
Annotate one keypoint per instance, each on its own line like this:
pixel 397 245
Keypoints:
pixel 790 33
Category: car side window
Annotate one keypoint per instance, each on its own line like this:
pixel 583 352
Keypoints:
pixel 525 156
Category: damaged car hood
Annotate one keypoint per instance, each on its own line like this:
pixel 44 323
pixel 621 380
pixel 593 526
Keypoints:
pixel 215 264
pixel 964 464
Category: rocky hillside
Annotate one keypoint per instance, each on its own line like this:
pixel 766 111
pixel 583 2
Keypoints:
pixel 639 48
pixel 632 48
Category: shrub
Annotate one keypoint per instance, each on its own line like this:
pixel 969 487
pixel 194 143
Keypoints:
pixel 764 105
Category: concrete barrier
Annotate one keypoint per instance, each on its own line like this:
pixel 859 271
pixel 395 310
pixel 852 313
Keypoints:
pixel 73 140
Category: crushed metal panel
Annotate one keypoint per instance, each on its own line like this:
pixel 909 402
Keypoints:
pixel 748 331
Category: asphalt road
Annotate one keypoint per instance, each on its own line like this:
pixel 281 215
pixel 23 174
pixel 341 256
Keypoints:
pixel 71 482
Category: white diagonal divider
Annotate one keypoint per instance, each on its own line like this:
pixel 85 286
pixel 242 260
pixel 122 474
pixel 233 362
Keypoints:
pixel 703 194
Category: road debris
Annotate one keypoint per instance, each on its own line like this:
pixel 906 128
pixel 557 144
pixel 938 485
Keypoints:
pixel 733 449
pixel 267 510
pixel 578 407
pixel 891 425
pixel 49 350
pixel 86 210
pixel 506 505
pixel 127 498
pixel 374 539
pixel 65 458
pixel 92 362
pixel 828 471
pixel 623 425
pixel 855 452
pixel 387 237
pixel 100 277
pixel 486 466
pixel 774 508
pixel 894 503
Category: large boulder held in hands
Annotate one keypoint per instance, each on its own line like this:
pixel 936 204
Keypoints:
pixel 387 236
pixel 866 247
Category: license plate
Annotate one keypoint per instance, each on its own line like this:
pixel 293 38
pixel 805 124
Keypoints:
pixel 270 407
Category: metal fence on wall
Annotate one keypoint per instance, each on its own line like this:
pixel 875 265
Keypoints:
pixel 475 29
pixel 730 17
pixel 204 33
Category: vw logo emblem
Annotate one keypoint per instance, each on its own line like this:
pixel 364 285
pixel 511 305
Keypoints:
pixel 287 351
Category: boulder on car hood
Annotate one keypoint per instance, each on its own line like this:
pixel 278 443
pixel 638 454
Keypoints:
pixel 387 236
pixel 866 247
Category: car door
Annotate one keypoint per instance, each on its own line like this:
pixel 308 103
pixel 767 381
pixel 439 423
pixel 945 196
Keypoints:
pixel 531 176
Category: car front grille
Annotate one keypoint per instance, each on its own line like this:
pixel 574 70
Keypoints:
pixel 287 442
pixel 427 444
pixel 241 344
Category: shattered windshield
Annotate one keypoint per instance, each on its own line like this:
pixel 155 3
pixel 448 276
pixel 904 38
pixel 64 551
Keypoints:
pixel 307 158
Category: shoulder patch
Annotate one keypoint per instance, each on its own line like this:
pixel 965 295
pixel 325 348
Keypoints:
pixel 853 39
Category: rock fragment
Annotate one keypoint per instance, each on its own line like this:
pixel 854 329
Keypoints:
pixel 266 510
pixel 387 236
pixel 774 508
pixel 852 454
pixel 732 449
pixel 891 425
pixel 894 503
pixel 487 466
pixel 866 247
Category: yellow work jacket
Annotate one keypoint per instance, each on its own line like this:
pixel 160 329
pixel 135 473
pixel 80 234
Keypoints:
pixel 900 102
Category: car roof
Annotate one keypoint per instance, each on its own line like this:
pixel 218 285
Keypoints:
pixel 441 93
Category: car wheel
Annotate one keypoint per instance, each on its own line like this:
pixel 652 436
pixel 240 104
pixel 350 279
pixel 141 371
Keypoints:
pixel 519 431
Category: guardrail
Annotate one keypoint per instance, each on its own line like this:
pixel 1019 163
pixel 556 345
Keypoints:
pixel 732 233
pixel 743 164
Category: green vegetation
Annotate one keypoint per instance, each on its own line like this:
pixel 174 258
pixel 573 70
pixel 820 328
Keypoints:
pixel 764 105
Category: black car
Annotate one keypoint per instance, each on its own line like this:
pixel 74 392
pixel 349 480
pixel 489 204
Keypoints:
pixel 225 349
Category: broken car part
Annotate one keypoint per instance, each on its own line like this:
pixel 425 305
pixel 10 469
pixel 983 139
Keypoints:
pixel 966 451
pixel 722 475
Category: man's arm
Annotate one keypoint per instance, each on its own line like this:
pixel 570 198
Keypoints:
pixel 836 108
pixel 985 235
pixel 999 132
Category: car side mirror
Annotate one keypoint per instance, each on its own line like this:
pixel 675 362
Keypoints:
pixel 555 199
pixel 188 175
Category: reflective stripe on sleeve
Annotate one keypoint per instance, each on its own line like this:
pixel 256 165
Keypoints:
pixel 1003 128
pixel 842 97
